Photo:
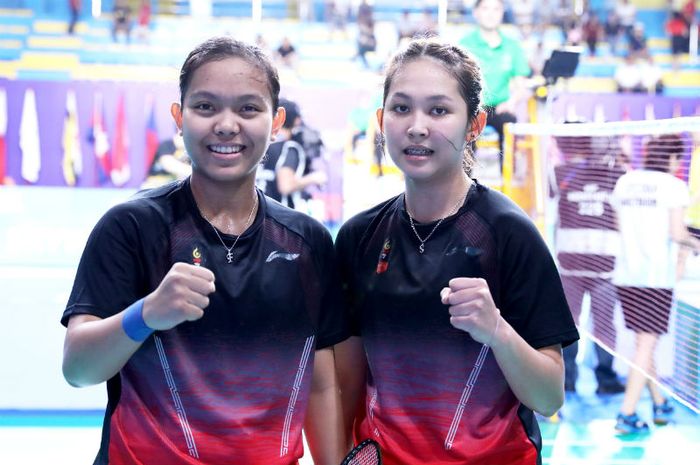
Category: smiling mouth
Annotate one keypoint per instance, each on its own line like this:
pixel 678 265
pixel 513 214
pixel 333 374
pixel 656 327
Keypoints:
pixel 418 151
pixel 226 149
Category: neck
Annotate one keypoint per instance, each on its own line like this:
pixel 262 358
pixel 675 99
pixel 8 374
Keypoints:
pixel 426 203
pixel 491 36
pixel 228 207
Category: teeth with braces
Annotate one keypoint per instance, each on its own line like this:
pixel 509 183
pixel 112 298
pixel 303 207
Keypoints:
pixel 418 151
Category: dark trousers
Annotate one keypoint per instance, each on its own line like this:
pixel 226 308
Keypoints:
pixel 603 298
pixel 496 121
pixel 604 373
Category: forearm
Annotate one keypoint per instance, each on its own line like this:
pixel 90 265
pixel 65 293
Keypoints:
pixel 352 368
pixel 95 349
pixel 536 377
pixel 323 425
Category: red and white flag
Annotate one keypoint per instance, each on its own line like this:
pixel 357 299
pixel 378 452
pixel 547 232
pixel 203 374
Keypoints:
pixel 29 138
pixel 100 141
pixel 121 171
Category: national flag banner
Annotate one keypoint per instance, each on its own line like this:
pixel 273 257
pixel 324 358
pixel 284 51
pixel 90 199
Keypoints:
pixel 121 171
pixel 151 133
pixel 72 154
pixel 29 138
pixel 100 141
pixel 3 131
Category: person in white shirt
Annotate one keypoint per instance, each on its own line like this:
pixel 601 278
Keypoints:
pixel 650 203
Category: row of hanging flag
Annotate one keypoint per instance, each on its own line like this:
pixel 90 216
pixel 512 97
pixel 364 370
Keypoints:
pixel 112 157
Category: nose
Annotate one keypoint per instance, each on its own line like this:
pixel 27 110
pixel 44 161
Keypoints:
pixel 227 125
pixel 418 128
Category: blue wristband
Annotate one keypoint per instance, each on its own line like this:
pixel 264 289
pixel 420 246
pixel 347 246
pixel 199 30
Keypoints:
pixel 133 323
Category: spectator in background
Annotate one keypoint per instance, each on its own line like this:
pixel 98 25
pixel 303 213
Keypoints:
pixel 286 53
pixel 365 13
pixel 637 43
pixel 612 29
pixel 366 40
pixel 639 74
pixel 281 175
pixel 427 26
pixel 592 31
pixel 336 13
pixel 143 29
pixel 627 13
pixel 405 28
pixel 74 7
pixel 261 42
pixel 679 32
pixel 524 15
pixel 170 162
pixel 121 20
pixel 562 17
pixel 503 63
pixel 650 204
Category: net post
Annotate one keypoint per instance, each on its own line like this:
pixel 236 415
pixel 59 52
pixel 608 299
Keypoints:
pixel 507 174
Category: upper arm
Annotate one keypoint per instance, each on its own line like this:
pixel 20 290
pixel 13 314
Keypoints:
pixel 286 180
pixel 679 231
pixel 553 352
pixel 324 375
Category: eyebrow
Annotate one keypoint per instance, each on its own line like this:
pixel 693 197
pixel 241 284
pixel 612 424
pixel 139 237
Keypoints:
pixel 212 96
pixel 435 98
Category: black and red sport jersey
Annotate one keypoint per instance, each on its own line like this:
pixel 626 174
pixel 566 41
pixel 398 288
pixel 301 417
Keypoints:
pixel 434 395
pixel 233 386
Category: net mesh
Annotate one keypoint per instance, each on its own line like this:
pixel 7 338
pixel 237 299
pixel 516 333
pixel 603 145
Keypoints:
pixel 603 195
pixel 365 453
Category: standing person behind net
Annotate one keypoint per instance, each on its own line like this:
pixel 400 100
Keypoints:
pixel 211 311
pixel 454 297
pixel 585 242
pixel 282 175
pixel 503 62
pixel 650 203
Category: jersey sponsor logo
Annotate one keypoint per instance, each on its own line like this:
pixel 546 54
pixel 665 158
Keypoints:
pixel 196 257
pixel 290 257
pixel 383 262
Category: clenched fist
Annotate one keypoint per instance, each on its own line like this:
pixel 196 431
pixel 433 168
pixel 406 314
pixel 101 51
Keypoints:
pixel 471 307
pixel 181 296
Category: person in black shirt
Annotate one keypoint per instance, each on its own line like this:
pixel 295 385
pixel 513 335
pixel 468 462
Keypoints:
pixel 285 171
pixel 456 305
pixel 210 310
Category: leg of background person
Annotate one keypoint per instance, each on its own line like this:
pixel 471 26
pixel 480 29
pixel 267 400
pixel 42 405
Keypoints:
pixel 496 121
pixel 573 289
pixel 603 300
pixel 636 381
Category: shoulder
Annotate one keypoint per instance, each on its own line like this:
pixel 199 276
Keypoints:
pixel 354 229
pixel 311 231
pixel 149 204
pixel 497 209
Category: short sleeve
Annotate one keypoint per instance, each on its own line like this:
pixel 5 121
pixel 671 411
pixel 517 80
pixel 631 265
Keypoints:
pixel 532 295
pixel 333 325
pixel 290 157
pixel 109 277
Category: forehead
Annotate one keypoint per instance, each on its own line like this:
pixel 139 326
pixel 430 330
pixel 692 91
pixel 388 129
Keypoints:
pixel 229 75
pixel 424 76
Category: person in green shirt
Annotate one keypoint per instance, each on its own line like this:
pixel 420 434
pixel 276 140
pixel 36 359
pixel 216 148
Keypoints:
pixel 503 63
